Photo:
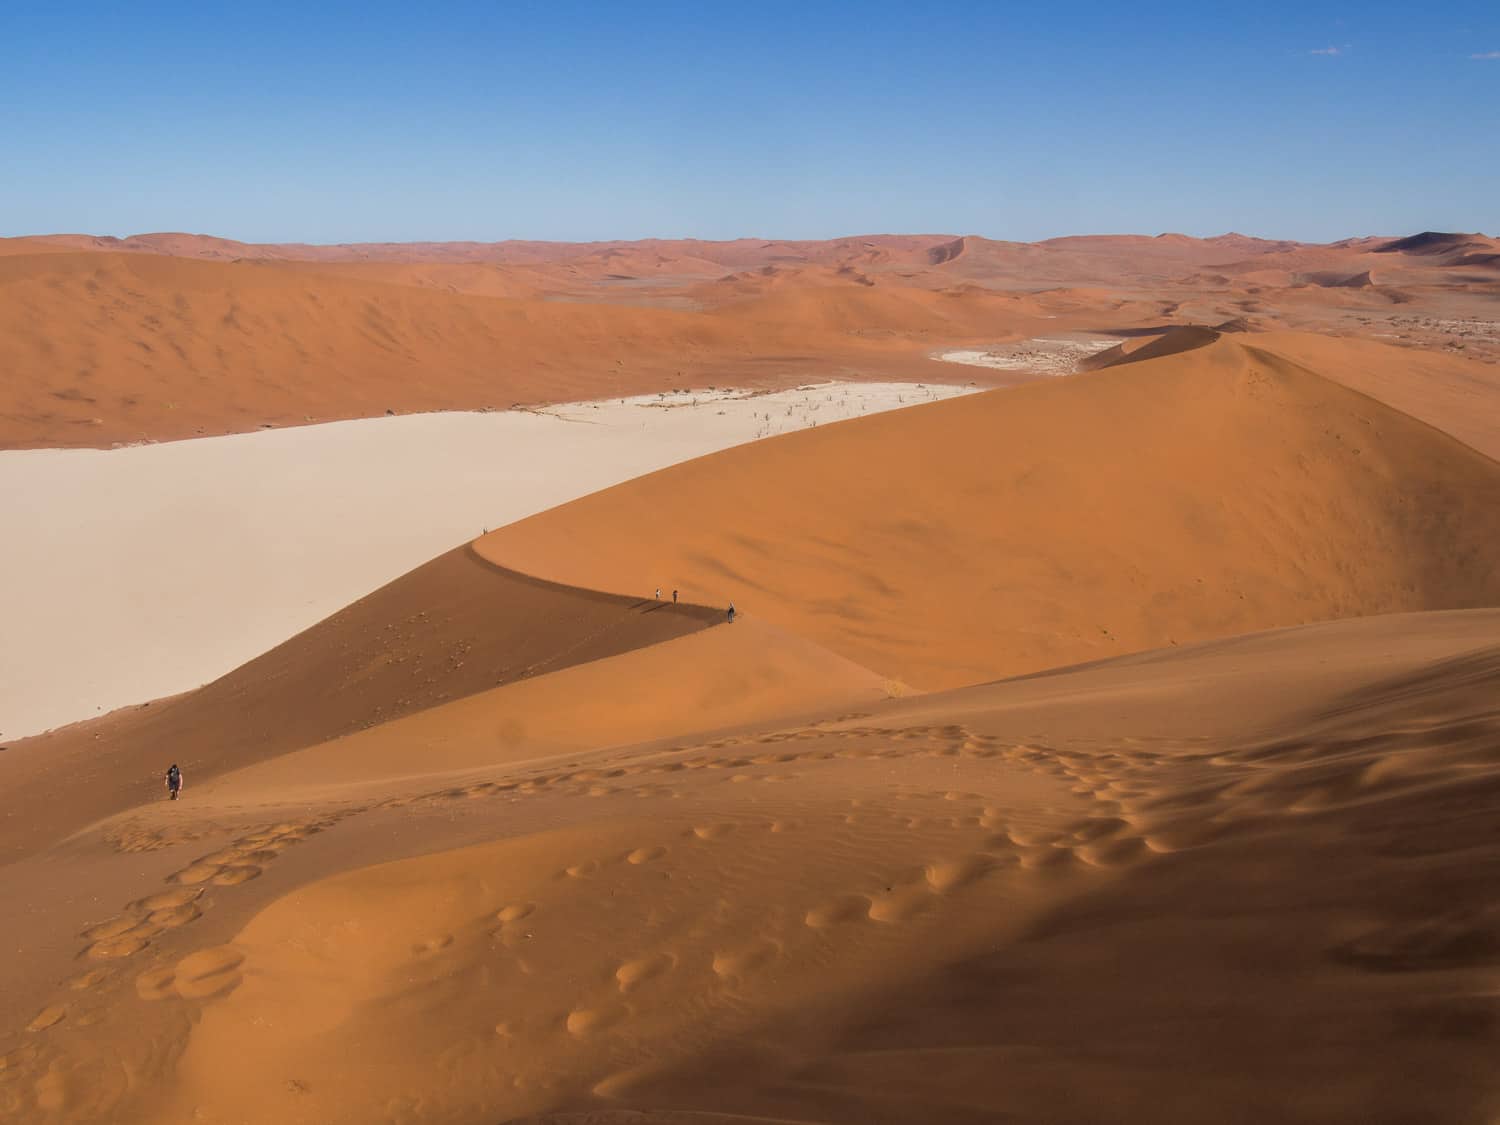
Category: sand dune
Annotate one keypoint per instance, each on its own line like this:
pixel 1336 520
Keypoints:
pixel 1214 491
pixel 714 679
pixel 1453 394
pixel 451 628
pixel 103 348
pixel 1042 899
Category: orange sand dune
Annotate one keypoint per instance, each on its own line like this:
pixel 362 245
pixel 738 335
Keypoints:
pixel 1457 395
pixel 451 628
pixel 167 335
pixel 1210 492
pixel 101 348
pixel 704 681
pixel 1257 873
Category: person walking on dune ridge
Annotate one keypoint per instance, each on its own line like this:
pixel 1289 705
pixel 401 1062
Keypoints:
pixel 674 597
pixel 731 613
pixel 174 782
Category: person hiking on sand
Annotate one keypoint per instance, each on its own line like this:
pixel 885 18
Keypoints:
pixel 658 593
pixel 731 613
pixel 674 597
pixel 174 782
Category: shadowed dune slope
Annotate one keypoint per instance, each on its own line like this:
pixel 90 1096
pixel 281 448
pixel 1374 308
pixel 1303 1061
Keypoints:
pixel 450 628
pixel 1170 342
pixel 1208 493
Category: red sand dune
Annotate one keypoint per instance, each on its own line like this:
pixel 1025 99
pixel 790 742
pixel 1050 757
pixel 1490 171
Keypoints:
pixel 169 335
pixel 1209 492
pixel 102 348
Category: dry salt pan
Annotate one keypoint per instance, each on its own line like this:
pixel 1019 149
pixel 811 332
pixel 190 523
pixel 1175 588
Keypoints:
pixel 1042 355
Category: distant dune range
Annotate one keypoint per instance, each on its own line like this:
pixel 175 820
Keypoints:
pixel 167 336
pixel 1110 747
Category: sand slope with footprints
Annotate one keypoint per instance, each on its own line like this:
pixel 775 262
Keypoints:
pixel 484 848
pixel 1044 906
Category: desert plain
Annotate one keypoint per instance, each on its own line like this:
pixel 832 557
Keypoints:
pixel 1107 728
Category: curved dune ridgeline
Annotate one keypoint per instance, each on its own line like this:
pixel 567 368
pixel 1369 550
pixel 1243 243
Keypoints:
pixel 1201 494
pixel 451 628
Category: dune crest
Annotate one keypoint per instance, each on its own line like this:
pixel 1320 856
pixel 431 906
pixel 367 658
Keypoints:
pixel 1213 491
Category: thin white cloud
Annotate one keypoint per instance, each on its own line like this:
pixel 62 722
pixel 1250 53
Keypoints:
pixel 1486 55
pixel 1332 52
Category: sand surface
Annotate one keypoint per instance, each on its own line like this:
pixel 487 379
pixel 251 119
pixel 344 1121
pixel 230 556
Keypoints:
pixel 145 571
pixel 1266 863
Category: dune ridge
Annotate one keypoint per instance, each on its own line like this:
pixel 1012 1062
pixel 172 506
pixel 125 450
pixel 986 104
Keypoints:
pixel 1219 490
pixel 453 627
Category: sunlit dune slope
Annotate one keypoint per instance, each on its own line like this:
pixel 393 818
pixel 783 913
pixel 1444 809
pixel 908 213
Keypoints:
pixel 1254 873
pixel 1211 492
pixel 1457 395
pixel 451 628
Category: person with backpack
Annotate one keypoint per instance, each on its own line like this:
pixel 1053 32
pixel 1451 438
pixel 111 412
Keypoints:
pixel 731 613
pixel 174 782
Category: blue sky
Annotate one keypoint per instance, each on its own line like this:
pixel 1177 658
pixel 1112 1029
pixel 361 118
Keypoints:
pixel 329 122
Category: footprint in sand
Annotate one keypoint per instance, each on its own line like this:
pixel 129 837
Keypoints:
pixel 123 926
pixel 47 1017
pixel 173 916
pixel 115 948
pixel 195 873
pixel 167 900
pixel 209 972
pixel 90 979
pixel 845 908
pixel 582 870
pixel 949 875
pixel 712 831
pixel 583 1022
pixel 515 912
pixel 1112 853
pixel 633 974
pixel 900 903
pixel 1032 837
pixel 645 855
pixel 736 964
pixel 233 876
pixel 156 984
pixel 432 945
